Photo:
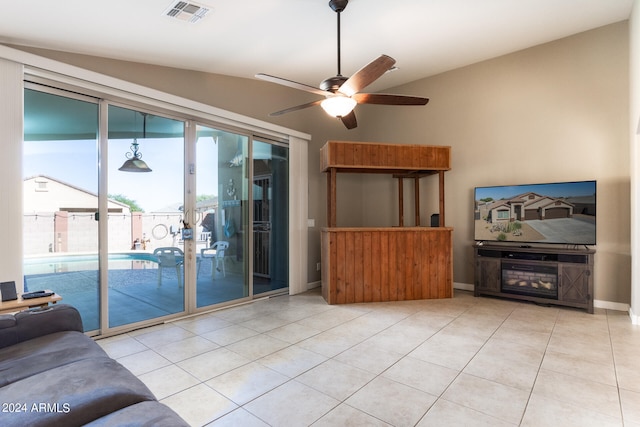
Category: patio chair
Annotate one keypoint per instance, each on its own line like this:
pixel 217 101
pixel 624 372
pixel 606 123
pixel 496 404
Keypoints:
pixel 169 257
pixel 216 252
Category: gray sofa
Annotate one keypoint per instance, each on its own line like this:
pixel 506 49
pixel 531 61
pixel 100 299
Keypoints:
pixel 52 374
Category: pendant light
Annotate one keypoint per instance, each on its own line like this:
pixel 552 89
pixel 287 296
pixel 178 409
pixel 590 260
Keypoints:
pixel 134 162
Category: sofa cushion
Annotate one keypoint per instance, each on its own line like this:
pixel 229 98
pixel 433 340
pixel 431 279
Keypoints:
pixel 40 321
pixel 33 323
pixel 143 414
pixel 73 394
pixel 41 354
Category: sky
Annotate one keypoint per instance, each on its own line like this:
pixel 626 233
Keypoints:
pixel 75 163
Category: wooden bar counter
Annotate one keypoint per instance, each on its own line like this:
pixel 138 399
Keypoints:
pixel 386 263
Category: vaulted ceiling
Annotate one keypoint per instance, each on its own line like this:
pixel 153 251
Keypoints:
pixel 296 39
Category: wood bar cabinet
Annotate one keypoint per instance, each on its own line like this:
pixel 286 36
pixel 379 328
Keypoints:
pixel 371 264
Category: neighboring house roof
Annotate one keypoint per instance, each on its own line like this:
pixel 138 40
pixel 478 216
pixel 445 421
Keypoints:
pixel 204 205
pixel 201 206
pixel 43 193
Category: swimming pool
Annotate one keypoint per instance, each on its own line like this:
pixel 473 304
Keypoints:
pixel 60 263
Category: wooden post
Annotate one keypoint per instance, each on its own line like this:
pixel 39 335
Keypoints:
pixel 331 198
pixel 417 199
pixel 401 201
pixel 441 182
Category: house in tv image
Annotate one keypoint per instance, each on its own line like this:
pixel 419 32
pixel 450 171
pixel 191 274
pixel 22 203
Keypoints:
pixel 535 217
pixel 529 206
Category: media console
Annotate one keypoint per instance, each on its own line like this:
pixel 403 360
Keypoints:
pixel 556 276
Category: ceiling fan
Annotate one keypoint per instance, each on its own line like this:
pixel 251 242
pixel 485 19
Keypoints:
pixel 341 93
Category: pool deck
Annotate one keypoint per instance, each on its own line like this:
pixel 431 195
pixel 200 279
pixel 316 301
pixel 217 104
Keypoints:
pixel 134 294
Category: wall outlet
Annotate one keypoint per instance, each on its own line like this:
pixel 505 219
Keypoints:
pixel 318 265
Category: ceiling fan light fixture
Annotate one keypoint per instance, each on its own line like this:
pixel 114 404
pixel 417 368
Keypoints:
pixel 342 93
pixel 338 106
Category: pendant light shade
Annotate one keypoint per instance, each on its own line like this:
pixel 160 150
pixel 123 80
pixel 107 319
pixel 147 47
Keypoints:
pixel 134 162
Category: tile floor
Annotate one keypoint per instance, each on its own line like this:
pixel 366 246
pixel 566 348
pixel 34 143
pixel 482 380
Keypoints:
pixel 296 361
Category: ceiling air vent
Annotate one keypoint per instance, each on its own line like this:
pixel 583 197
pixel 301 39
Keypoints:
pixel 186 11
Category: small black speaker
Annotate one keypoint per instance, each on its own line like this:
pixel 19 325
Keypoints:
pixel 8 290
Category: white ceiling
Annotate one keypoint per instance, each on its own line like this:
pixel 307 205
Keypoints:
pixel 296 39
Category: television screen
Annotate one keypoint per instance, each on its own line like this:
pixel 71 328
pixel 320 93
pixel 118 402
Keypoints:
pixel 561 212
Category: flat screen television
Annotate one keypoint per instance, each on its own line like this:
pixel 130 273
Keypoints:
pixel 559 212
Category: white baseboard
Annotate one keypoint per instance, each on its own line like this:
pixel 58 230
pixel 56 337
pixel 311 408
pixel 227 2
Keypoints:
pixel 635 319
pixel 313 285
pixel 610 305
pixel 463 286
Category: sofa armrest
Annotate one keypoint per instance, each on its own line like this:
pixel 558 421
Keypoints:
pixel 34 323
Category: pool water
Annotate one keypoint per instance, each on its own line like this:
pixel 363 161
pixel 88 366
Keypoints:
pixel 88 262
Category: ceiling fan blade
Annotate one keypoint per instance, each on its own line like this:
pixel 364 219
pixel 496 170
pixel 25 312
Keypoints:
pixel 292 84
pixel 350 120
pixel 296 108
pixel 389 99
pixel 367 75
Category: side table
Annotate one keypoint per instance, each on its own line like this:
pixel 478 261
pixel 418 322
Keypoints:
pixel 21 304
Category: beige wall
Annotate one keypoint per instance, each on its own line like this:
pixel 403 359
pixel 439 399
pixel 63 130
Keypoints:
pixel 554 112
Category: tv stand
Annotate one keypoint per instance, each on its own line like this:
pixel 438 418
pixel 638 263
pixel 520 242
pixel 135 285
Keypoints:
pixel 556 276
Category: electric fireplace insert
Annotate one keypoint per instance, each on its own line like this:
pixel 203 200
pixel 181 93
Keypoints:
pixel 539 280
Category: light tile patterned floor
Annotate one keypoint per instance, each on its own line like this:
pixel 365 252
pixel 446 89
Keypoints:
pixel 296 361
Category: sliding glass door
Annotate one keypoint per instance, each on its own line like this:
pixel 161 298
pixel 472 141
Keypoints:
pixel 60 199
pixel 145 216
pixel 221 208
pixel 133 215
pixel 270 194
